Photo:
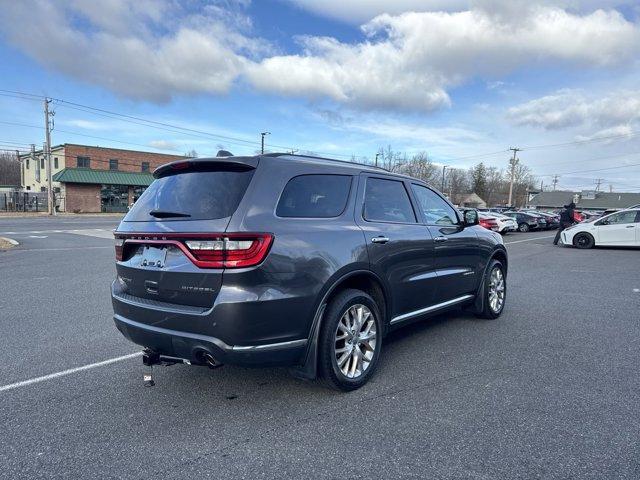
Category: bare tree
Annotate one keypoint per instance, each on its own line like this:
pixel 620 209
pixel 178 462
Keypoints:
pixel 419 166
pixel 457 182
pixel 9 169
pixel 495 184
pixel 191 154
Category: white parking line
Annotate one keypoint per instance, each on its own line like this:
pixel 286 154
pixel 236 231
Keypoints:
pixel 61 249
pixel 63 373
pixel 529 239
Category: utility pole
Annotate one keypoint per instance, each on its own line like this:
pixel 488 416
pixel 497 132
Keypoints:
pixel 513 162
pixel 33 161
pixel 610 188
pixel 21 168
pixel 263 134
pixel 47 152
pixel 542 185
pixel 598 183
pixel 555 182
pixel 377 155
pixel 444 169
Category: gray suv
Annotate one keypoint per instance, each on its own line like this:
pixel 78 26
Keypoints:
pixel 294 261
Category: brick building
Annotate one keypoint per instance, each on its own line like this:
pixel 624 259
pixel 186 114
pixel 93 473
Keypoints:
pixel 93 179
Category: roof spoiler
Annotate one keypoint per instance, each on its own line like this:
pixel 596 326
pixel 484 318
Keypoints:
pixel 238 164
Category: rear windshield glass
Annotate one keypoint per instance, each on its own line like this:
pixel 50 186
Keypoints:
pixel 314 196
pixel 195 195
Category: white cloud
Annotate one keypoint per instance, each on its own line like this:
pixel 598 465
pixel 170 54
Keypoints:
pixel 609 114
pixel 164 145
pixel 142 49
pixel 360 11
pixel 88 124
pixel 153 50
pixel 427 136
pixel 409 61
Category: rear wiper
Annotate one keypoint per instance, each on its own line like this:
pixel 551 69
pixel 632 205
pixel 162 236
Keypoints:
pixel 165 214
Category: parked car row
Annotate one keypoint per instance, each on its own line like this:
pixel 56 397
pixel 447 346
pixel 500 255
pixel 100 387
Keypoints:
pixel 505 221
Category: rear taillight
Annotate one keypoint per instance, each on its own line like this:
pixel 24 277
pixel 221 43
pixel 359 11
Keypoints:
pixel 488 223
pixel 119 249
pixel 215 250
pixel 232 250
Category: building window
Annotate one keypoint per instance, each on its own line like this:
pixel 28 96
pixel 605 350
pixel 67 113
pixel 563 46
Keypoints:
pixel 145 166
pixel 84 162
pixel 113 164
pixel 43 189
pixel 55 162
pixel 28 187
pixel 42 163
pixel 27 163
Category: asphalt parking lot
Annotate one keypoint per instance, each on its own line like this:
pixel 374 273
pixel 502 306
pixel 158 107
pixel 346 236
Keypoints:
pixel 549 390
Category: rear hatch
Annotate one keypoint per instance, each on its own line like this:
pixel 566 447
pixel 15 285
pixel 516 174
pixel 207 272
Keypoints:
pixel 172 245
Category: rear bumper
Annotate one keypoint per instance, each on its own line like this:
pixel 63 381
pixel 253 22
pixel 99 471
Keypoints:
pixel 239 329
pixel 190 346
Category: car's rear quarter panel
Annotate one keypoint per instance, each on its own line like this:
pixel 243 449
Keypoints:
pixel 280 297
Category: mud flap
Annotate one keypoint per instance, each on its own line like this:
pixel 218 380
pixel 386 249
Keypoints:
pixel 309 369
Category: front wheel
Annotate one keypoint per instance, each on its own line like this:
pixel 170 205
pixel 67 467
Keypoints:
pixel 494 291
pixel 523 227
pixel 350 340
pixel 583 241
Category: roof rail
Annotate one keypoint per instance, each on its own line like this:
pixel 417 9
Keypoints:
pixel 323 158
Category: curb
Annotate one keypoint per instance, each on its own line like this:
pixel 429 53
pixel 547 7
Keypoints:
pixel 10 240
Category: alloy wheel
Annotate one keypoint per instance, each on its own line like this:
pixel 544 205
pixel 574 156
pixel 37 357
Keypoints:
pixel 496 289
pixel 355 341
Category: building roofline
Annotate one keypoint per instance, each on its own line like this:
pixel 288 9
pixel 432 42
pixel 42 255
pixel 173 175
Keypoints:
pixel 123 150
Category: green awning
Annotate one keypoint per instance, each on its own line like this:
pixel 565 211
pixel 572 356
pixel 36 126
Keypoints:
pixel 103 177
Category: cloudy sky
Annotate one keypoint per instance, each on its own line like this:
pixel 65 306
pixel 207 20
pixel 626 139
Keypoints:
pixel 462 80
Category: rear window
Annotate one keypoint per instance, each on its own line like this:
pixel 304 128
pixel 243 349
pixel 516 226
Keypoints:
pixel 314 196
pixel 196 195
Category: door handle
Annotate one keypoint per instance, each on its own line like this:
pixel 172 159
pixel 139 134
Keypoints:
pixel 380 239
pixel 631 226
pixel 440 239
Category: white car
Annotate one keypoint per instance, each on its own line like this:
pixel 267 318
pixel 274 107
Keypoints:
pixel 620 229
pixel 505 223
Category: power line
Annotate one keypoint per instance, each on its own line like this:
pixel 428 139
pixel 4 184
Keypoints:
pixel 592 170
pixel 163 125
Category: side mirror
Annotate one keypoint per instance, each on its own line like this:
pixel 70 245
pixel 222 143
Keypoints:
pixel 470 218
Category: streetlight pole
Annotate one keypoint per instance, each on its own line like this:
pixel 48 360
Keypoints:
pixel 444 169
pixel 263 134
pixel 377 155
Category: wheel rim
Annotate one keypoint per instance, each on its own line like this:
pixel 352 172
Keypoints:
pixel 582 240
pixel 496 290
pixel 355 341
pixel 524 227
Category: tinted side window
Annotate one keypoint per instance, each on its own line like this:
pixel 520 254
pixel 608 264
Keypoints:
pixel 314 196
pixel 436 210
pixel 387 201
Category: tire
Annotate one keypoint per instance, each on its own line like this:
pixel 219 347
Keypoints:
pixel 523 227
pixel 339 321
pixel 583 241
pixel 491 310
